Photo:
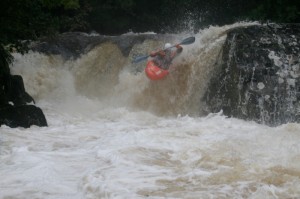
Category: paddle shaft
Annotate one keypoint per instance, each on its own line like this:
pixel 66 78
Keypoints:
pixel 186 41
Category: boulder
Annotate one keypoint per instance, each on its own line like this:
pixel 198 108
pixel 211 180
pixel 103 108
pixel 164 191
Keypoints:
pixel 259 75
pixel 16 92
pixel 14 111
pixel 22 116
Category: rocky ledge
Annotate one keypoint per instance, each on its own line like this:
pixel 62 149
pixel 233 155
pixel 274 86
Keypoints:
pixel 259 75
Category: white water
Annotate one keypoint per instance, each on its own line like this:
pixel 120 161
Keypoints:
pixel 101 144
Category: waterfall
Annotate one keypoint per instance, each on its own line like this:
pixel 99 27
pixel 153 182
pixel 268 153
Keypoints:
pixel 105 72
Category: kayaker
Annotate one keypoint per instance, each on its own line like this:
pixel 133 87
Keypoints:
pixel 164 58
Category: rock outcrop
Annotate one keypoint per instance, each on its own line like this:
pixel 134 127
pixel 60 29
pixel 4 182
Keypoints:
pixel 14 108
pixel 259 76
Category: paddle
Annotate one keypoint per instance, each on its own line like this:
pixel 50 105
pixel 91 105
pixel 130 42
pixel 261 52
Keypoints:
pixel 186 41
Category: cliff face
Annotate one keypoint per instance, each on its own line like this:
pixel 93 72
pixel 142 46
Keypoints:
pixel 259 77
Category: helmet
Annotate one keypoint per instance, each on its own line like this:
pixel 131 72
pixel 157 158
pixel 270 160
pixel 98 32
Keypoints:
pixel 167 45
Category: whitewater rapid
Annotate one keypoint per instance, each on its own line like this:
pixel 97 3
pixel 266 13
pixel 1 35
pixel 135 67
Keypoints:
pixel 114 134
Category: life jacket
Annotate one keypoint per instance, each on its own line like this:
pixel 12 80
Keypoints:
pixel 164 60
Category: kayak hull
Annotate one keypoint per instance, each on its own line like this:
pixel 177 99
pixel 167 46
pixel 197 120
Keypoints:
pixel 153 72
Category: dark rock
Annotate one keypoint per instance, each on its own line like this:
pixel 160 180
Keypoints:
pixel 14 111
pixel 16 91
pixel 73 44
pixel 22 116
pixel 260 75
pixel 68 45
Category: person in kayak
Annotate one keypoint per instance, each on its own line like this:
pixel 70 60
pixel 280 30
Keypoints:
pixel 163 58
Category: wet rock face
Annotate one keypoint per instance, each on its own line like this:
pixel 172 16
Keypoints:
pixel 68 45
pixel 73 44
pixel 14 110
pixel 22 116
pixel 259 77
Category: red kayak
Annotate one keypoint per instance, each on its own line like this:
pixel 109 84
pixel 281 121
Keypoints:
pixel 153 72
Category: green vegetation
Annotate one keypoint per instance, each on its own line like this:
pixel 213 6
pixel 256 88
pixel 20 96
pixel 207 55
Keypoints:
pixel 24 20
pixel 286 11
pixel 119 16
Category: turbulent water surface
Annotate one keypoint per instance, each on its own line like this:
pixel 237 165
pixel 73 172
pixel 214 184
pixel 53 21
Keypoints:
pixel 114 134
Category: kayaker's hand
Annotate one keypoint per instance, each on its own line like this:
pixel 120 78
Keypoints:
pixel 162 53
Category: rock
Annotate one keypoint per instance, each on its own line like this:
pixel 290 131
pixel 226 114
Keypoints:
pixel 68 45
pixel 71 45
pixel 259 76
pixel 14 111
pixel 22 116
pixel 16 91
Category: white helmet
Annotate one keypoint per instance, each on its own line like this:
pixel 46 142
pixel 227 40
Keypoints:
pixel 167 45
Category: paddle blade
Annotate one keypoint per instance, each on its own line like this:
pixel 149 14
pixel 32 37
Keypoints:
pixel 140 58
pixel 187 41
